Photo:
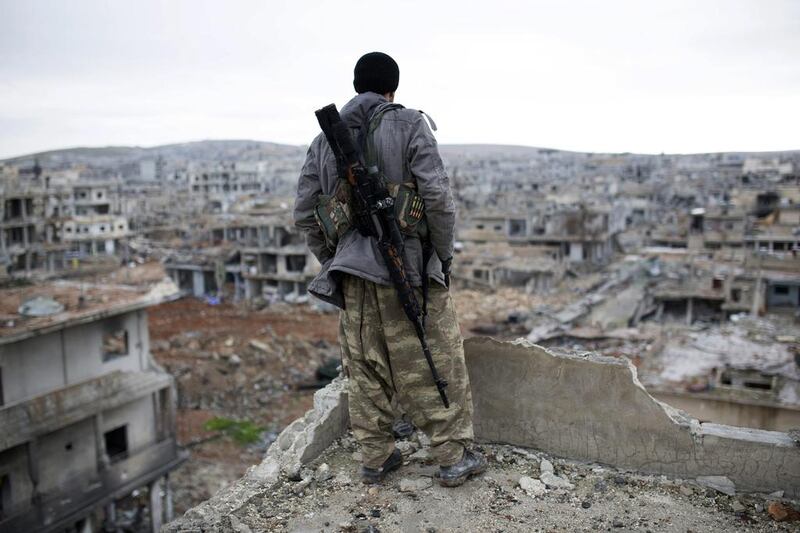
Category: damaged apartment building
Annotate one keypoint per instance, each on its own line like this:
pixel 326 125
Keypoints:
pixel 88 417
pixel 752 250
pixel 262 255
pixel 577 234
pixel 535 249
pixel 53 224
pixel 218 184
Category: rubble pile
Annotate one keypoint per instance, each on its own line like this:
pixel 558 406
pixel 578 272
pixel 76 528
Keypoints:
pixel 240 376
pixel 523 490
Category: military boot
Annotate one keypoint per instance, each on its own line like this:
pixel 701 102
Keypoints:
pixel 375 475
pixel 471 464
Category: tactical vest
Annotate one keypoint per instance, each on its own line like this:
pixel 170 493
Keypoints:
pixel 334 214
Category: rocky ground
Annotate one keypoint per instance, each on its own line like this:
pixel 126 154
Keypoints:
pixel 523 490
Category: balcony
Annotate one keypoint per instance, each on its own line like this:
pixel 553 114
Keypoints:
pixel 26 419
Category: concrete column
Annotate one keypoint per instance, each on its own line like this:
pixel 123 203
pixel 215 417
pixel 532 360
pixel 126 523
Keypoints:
pixel 198 283
pixel 158 414
pixel 660 312
pixel 100 442
pixel 689 311
pixel 172 407
pixel 86 525
pixel 33 473
pixel 156 506
pixel 169 508
pixel 111 516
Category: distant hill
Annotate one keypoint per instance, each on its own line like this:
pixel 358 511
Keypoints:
pixel 210 150
pixel 250 150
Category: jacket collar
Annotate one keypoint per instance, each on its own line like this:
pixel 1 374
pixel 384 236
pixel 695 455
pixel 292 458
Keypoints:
pixel 361 107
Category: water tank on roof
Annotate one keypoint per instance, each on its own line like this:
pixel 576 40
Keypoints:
pixel 40 306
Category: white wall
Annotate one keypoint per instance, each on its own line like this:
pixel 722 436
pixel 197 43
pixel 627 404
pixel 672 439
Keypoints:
pixel 84 348
pixel 139 416
pixel 59 465
pixel 31 367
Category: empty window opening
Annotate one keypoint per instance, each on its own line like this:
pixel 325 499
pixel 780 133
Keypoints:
pixel 5 495
pixel 269 263
pixel 761 385
pixel 781 289
pixel 115 344
pixel 295 263
pixel 517 227
pixel 117 443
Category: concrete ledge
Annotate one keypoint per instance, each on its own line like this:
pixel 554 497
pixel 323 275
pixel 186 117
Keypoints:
pixel 27 419
pixel 594 409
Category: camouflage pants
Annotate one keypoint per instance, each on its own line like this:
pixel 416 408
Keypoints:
pixel 385 364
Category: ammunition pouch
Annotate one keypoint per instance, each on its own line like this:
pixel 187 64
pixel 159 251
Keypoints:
pixel 333 213
pixel 335 216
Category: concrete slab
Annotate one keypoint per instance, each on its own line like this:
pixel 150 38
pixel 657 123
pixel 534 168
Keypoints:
pixel 594 409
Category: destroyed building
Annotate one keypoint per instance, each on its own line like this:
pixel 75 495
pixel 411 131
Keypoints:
pixel 87 415
pixel 533 268
pixel 261 256
pixel 276 262
pixel 58 225
pixel 22 238
pixel 219 183
pixel 579 234
pixel 204 271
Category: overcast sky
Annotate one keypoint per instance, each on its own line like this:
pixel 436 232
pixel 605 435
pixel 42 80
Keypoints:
pixel 639 76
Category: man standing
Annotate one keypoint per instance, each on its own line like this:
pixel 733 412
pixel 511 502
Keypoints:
pixel 381 353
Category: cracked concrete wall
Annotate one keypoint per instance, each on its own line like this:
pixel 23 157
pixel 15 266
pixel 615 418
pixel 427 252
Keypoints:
pixel 594 409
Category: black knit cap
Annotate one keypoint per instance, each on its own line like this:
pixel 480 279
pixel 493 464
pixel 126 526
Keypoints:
pixel 376 72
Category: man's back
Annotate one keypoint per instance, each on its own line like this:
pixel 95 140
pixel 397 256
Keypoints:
pixel 381 338
pixel 406 152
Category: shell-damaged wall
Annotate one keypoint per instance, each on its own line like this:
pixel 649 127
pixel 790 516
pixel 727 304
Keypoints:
pixel 594 409
pixel 585 408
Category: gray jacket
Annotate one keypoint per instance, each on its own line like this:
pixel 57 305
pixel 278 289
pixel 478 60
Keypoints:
pixel 407 151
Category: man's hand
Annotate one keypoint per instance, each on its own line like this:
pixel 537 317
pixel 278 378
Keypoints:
pixel 446 271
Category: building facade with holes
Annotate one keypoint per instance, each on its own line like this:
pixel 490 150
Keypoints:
pixel 87 415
